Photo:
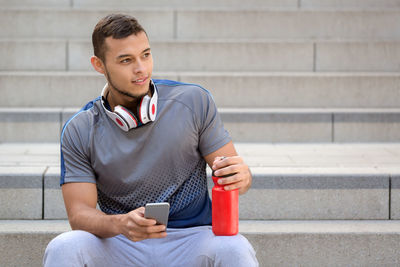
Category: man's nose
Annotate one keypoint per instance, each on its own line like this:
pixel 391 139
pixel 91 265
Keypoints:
pixel 139 67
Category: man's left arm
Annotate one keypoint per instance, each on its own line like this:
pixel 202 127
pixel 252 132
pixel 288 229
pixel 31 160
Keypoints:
pixel 226 161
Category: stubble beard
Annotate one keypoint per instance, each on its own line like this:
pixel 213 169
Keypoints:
pixel 135 97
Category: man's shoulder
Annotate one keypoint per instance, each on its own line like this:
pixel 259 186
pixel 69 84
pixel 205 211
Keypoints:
pixel 85 117
pixel 181 91
pixel 180 86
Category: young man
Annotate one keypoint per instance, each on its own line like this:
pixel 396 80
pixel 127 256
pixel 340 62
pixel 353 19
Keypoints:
pixel 144 141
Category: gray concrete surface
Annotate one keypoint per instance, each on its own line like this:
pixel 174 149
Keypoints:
pixel 319 194
pixel 188 3
pixel 23 242
pixel 252 125
pixel 54 89
pixel 67 22
pixel 29 125
pixel 291 181
pixel 21 191
pixel 350 3
pixel 395 195
pixel 229 89
pixel 358 56
pixel 53 200
pixel 206 3
pixel 324 243
pixel 277 243
pixel 32 55
pixel 384 157
pixel 213 55
pixel 289 24
pixel 243 124
pixel 233 23
pixel 300 39
pixel 301 89
pixel 365 127
pixel 35 3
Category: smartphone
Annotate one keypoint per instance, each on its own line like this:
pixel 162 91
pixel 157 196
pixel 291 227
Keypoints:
pixel 157 211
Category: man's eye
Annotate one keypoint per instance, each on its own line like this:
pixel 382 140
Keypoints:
pixel 126 60
pixel 147 54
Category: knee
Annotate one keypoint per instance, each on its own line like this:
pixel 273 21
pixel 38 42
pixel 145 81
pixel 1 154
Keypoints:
pixel 69 241
pixel 228 245
pixel 235 249
pixel 67 246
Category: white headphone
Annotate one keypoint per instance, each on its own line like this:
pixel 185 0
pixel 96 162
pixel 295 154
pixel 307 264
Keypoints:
pixel 125 119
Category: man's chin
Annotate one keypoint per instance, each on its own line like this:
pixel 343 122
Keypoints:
pixel 140 91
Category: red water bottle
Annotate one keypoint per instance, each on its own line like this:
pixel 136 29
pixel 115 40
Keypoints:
pixel 225 209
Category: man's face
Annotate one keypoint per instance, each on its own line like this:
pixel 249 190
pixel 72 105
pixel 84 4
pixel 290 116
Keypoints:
pixel 128 66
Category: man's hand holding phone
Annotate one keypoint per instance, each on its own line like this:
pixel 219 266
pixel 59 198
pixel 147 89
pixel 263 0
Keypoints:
pixel 158 212
pixel 135 226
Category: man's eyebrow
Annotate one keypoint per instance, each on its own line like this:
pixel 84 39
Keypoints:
pixel 124 55
pixel 129 55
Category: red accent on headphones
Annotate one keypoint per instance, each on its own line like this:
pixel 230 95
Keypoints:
pixel 119 122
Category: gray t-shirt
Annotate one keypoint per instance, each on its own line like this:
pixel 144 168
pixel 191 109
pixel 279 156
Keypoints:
pixel 161 161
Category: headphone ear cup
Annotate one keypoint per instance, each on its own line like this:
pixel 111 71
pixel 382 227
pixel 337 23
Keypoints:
pixel 153 108
pixel 144 109
pixel 118 121
pixel 127 116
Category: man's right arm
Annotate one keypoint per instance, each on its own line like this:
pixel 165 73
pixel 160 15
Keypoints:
pixel 80 202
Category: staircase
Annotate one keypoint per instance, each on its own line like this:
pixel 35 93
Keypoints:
pixel 308 89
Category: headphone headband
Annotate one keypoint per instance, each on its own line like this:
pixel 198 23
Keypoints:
pixel 124 118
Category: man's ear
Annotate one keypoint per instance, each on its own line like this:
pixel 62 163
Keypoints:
pixel 97 64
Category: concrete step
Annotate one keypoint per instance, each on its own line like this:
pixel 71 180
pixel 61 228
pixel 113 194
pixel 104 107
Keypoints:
pixel 244 124
pixel 213 55
pixel 204 3
pixel 326 243
pixel 312 125
pixel 277 243
pixel 35 3
pixel 252 22
pixel 349 3
pixel 229 89
pixel 290 182
pixel 382 156
pixel 267 125
pixel 147 4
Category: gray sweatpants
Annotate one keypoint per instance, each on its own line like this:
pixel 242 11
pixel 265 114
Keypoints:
pixel 196 246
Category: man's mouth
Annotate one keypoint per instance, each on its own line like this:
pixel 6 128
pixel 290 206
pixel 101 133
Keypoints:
pixel 140 81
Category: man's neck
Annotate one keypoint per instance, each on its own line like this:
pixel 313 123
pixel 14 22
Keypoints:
pixel 115 98
pixel 115 101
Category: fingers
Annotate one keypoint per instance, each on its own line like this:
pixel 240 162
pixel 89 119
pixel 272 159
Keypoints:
pixel 225 166
pixel 153 235
pixel 236 181
pixel 140 211
pixel 229 180
pixel 142 221
pixel 218 159
pixel 234 172
pixel 142 233
pixel 235 185
pixel 137 227
pixel 137 233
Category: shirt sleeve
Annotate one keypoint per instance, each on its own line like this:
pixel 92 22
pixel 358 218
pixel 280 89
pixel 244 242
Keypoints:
pixel 212 134
pixel 75 158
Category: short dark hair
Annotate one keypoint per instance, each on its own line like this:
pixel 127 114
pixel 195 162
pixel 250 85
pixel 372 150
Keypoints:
pixel 118 26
